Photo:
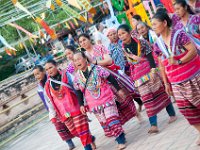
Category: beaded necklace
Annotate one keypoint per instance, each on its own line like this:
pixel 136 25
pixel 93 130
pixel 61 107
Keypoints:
pixel 93 85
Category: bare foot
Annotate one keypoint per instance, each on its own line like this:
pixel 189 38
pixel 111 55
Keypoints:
pixel 121 146
pixel 153 129
pixel 172 119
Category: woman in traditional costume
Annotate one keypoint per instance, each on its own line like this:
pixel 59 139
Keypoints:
pixel 61 94
pixel 180 68
pixel 135 20
pixel 116 52
pixel 93 80
pixel 69 53
pixel 99 55
pixel 147 34
pixel 61 129
pixel 189 21
pixel 147 80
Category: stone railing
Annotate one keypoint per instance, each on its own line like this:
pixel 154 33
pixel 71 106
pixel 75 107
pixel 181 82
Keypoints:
pixel 16 87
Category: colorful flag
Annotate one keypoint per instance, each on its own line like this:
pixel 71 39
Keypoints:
pixel 24 30
pixel 5 43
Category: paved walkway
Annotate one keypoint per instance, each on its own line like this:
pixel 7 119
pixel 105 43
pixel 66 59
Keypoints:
pixel 176 136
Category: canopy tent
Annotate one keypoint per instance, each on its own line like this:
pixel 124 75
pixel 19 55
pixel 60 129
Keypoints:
pixel 9 13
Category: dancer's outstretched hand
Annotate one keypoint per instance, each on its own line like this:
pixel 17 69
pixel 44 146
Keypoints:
pixel 83 110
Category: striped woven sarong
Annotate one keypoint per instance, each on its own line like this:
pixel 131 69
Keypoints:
pixel 126 108
pixel 78 126
pixel 110 122
pixel 153 96
pixel 187 95
pixel 62 130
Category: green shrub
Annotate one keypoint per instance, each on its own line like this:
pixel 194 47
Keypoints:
pixel 6 71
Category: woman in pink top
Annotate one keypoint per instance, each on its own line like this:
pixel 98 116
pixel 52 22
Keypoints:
pixel 60 92
pixel 99 55
pixel 189 22
pixel 146 79
pixel 180 67
pixel 92 80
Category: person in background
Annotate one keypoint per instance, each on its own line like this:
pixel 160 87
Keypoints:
pixel 116 52
pixel 180 67
pixel 189 22
pixel 173 16
pixel 69 53
pixel 70 40
pixel 99 55
pixel 147 34
pixel 115 48
pixel 135 20
pixel 61 129
pixel 195 5
pixel 99 36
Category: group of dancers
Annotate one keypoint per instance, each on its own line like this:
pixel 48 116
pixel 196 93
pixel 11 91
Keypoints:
pixel 146 65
